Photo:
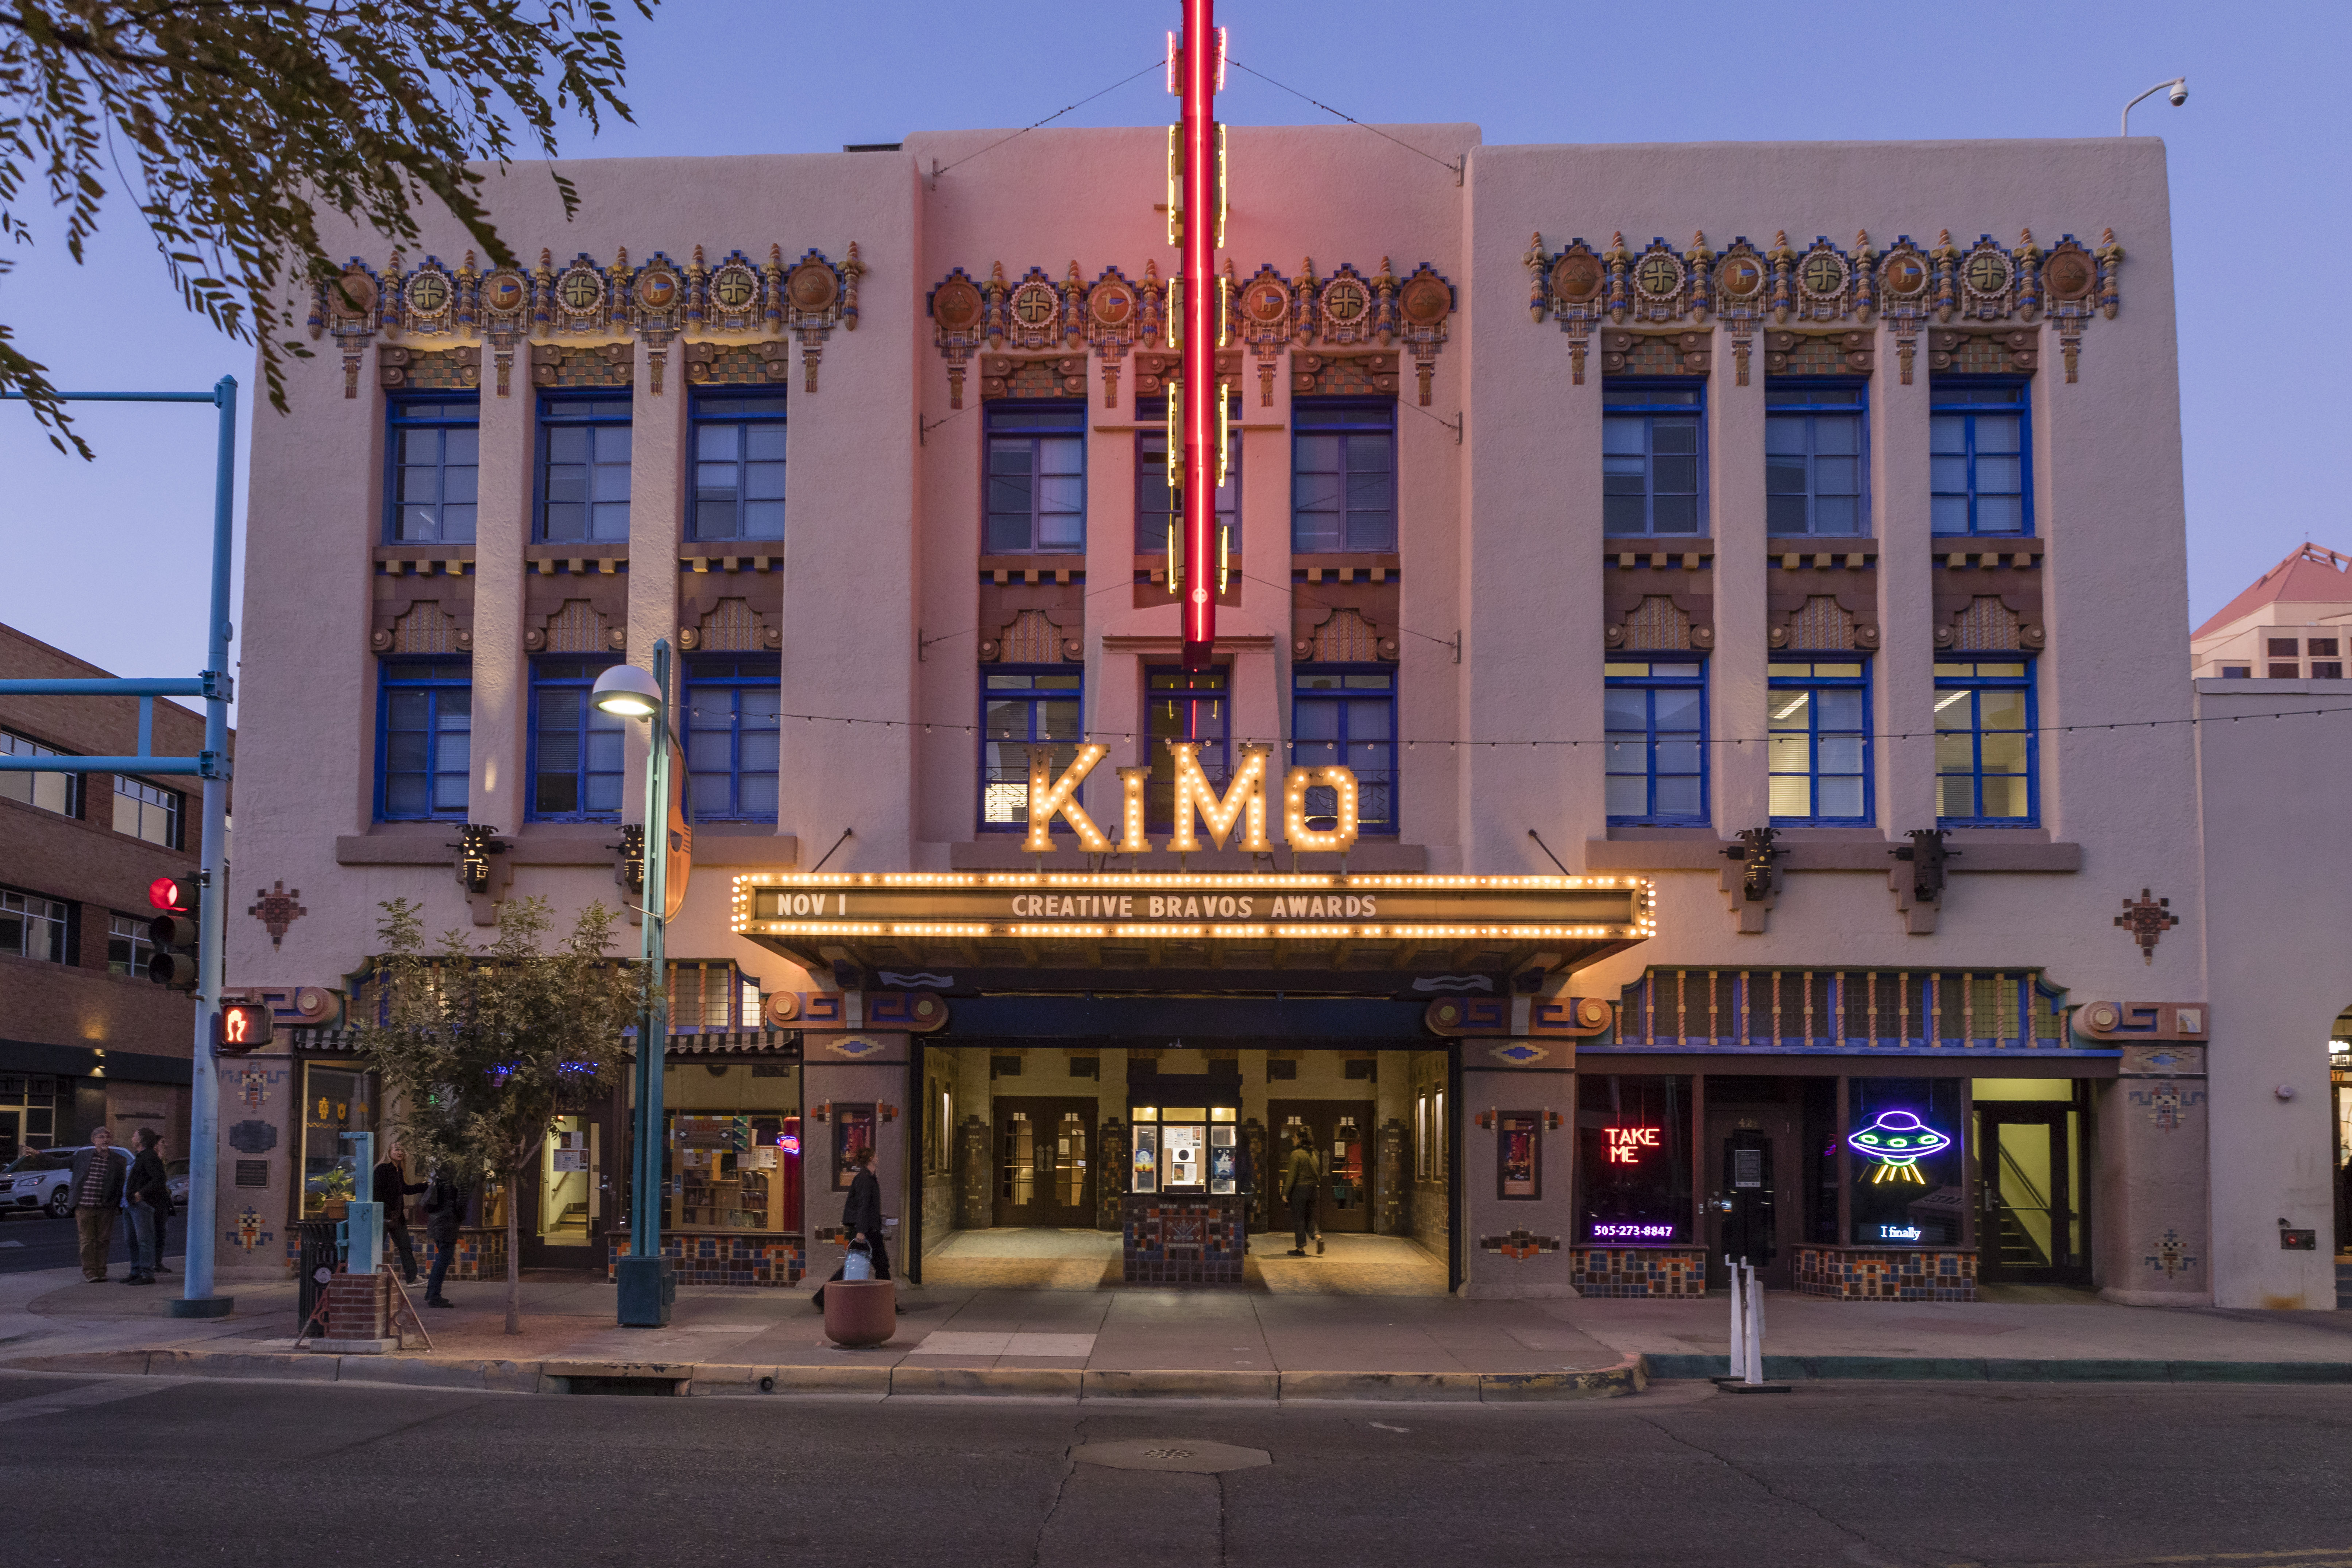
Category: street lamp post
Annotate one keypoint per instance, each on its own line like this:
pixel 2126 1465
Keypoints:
pixel 647 1283
pixel 2177 87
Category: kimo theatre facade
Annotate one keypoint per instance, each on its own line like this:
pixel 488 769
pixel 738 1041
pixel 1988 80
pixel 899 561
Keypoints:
pixel 1650 546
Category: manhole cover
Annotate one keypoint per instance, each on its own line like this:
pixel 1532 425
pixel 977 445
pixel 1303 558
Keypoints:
pixel 1180 1456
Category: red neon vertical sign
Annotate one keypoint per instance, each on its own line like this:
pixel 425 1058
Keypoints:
pixel 1197 70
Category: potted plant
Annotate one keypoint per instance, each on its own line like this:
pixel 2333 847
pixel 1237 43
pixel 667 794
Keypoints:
pixel 335 1190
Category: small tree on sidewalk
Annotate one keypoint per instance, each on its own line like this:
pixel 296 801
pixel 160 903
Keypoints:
pixel 481 1049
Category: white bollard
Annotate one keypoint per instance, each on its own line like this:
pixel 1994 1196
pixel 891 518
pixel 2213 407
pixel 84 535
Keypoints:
pixel 1754 1315
pixel 1739 1368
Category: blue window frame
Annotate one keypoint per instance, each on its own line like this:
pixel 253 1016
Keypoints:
pixel 575 748
pixel 1185 705
pixel 1987 753
pixel 1818 741
pixel 738 465
pixel 1036 480
pixel 1815 472
pixel 732 732
pixel 1343 475
pixel 1981 460
pixel 1657 741
pixel 1153 500
pixel 1346 714
pixel 434 458
pixel 583 469
pixel 1652 458
pixel 424 735
pixel 1022 705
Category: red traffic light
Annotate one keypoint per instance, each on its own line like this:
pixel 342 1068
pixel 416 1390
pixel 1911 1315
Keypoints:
pixel 171 893
pixel 241 1027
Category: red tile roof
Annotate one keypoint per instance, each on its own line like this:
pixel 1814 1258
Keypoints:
pixel 2314 574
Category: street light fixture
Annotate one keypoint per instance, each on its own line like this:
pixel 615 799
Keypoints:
pixel 648 1284
pixel 2178 89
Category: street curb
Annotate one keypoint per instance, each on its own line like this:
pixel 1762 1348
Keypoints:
pixel 725 1380
pixel 1942 1369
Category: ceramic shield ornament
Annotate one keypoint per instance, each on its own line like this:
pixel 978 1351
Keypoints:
pixel 1898 1140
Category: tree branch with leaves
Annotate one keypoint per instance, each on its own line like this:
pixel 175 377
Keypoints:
pixel 234 125
pixel 479 1051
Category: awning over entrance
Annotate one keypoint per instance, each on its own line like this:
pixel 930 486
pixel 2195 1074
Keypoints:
pixel 1302 931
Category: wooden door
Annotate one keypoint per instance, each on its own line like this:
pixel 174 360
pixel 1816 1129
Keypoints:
pixel 1341 1132
pixel 1752 1166
pixel 1045 1163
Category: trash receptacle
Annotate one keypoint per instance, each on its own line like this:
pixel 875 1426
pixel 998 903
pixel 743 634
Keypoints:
pixel 319 1256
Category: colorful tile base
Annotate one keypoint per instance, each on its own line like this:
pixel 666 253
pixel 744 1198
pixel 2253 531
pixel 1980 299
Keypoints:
pixel 1909 1274
pixel 1638 1271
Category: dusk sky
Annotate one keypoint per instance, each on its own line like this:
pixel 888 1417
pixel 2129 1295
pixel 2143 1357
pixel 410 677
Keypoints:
pixel 2261 217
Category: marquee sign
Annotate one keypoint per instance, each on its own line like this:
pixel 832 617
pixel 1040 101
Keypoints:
pixel 1270 906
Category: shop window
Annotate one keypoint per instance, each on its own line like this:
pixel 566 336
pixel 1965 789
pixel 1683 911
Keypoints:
pixel 435 456
pixel 1904 1161
pixel 60 792
pixel 148 811
pixel 738 466
pixel 1634 1161
pixel 335 1100
pixel 1021 706
pixel 1652 463
pixel 733 1170
pixel 1814 460
pixel 733 742
pixel 1036 480
pixel 129 949
pixel 1280 1070
pixel 1185 705
pixel 584 470
pixel 28 1111
pixel 575 746
pixel 712 997
pixel 1343 475
pixel 34 927
pixel 1347 714
pixel 1657 740
pixel 1818 727
pixel 1986 748
pixel 1979 468
pixel 1154 511
pixel 425 720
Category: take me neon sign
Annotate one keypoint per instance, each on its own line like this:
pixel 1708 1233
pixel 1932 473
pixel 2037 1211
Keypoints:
pixel 1196 406
pixel 1626 1145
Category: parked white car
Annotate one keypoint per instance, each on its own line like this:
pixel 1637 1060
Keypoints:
pixel 38 1179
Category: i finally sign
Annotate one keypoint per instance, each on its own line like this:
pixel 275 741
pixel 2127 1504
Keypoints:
pixel 1240 808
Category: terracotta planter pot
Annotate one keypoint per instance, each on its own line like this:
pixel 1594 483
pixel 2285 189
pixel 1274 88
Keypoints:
pixel 338 1208
pixel 860 1313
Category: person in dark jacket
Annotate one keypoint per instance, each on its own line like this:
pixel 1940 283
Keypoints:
pixel 97 1189
pixel 1299 1186
pixel 147 1198
pixel 445 1212
pixel 861 1215
pixel 392 1190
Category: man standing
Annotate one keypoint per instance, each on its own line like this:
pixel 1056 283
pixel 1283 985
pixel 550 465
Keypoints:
pixel 393 1192
pixel 147 1199
pixel 97 1188
pixel 445 1212
pixel 1299 1187
pixel 861 1215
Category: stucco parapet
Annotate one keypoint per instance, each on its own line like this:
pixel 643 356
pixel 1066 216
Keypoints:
pixel 1799 854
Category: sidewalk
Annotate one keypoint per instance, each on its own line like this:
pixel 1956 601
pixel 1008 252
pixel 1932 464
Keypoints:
pixel 1137 1342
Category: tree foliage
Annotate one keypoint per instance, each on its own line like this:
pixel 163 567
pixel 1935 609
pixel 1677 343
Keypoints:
pixel 479 1051
pixel 234 125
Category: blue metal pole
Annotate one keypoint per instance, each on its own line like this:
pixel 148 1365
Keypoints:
pixel 212 925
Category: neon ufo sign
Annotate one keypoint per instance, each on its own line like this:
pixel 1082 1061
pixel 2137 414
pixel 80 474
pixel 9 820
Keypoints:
pixel 1898 1140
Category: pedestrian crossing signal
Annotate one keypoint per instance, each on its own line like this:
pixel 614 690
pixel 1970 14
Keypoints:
pixel 241 1027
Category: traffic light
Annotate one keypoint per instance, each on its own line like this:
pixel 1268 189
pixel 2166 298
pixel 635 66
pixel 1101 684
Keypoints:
pixel 241 1027
pixel 173 931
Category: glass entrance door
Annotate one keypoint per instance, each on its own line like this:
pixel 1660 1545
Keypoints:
pixel 1045 1162
pixel 559 1217
pixel 1338 1130
pixel 2030 1229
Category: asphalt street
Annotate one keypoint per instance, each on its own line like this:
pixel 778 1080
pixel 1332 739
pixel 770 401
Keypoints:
pixel 37 1241
pixel 260 1474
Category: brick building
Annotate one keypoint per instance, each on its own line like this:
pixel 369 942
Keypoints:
pixel 85 1039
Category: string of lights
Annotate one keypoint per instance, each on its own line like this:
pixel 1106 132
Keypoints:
pixel 1412 744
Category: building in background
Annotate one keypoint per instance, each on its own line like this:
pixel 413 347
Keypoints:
pixel 86 1038
pixel 2292 624
pixel 1775 584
